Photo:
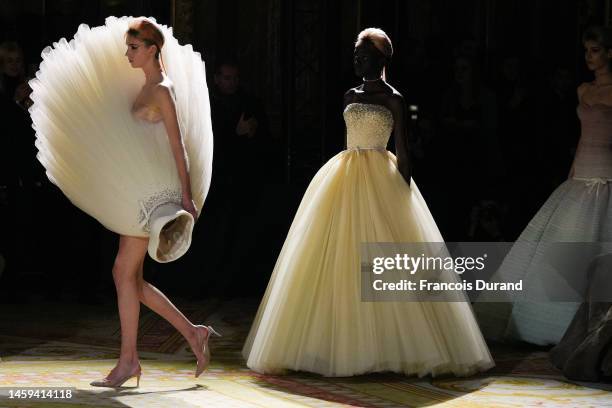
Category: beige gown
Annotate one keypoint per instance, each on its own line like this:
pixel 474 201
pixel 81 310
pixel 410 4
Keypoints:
pixel 312 318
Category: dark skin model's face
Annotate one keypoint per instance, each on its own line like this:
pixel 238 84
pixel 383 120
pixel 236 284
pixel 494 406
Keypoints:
pixel 368 62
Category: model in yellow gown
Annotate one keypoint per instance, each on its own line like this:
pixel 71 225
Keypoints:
pixel 312 317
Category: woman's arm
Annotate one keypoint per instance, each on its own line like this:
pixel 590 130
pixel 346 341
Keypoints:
pixel 580 93
pixel 400 133
pixel 168 109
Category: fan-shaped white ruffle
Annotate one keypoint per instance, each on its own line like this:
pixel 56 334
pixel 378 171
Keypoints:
pixel 116 168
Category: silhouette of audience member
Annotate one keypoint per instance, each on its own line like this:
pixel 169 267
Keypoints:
pixel 33 210
pixel 518 138
pixel 487 222
pixel 420 83
pixel 240 171
pixel 240 126
pixel 23 182
pixel 14 99
pixel 16 144
pixel 558 128
pixel 515 103
pixel 467 147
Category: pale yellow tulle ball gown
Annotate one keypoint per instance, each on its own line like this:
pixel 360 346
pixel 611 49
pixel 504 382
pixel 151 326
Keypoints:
pixel 117 166
pixel 312 318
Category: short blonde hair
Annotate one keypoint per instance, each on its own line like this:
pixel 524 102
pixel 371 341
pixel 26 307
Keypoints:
pixel 378 38
pixel 148 32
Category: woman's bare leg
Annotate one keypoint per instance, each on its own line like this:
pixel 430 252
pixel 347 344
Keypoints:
pixel 128 284
pixel 155 300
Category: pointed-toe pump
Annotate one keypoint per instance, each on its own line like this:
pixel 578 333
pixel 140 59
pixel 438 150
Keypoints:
pixel 203 345
pixel 105 382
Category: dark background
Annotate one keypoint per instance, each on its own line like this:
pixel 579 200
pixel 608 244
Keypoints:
pixel 296 58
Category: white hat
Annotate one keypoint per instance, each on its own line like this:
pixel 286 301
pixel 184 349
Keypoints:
pixel 170 232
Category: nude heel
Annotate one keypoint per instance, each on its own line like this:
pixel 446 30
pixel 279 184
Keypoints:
pixel 119 382
pixel 202 365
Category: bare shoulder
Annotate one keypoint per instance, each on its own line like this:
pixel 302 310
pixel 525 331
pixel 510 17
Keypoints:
pixel 395 93
pixel 582 88
pixel 351 91
pixel 396 103
pixel 396 97
pixel 584 85
pixel 164 93
pixel 606 95
pixel 349 96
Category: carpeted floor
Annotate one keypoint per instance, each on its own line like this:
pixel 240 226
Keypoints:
pixel 68 346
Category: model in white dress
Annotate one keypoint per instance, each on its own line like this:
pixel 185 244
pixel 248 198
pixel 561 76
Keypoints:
pixel 132 148
pixel 116 166
pixel 578 212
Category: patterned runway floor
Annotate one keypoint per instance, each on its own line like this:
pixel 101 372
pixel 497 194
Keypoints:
pixel 42 357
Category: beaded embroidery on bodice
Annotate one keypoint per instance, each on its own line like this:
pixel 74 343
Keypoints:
pixel 368 126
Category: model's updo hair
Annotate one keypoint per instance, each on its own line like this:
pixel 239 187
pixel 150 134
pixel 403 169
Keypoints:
pixel 599 34
pixel 602 36
pixel 379 39
pixel 147 32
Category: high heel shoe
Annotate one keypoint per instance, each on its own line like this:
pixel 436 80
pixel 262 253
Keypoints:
pixel 203 364
pixel 119 382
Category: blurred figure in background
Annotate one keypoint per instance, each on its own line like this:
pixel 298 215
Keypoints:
pixel 241 168
pixel 16 164
pixel 558 127
pixel 518 138
pixel 29 202
pixel 467 147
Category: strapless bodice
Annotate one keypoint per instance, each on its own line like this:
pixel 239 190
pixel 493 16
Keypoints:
pixel 368 126
pixel 594 153
pixel 148 113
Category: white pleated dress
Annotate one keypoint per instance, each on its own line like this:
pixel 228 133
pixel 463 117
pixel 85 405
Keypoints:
pixel 312 318
pixel 117 168
pixel 578 211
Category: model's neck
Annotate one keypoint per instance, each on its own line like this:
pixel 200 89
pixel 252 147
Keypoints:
pixel 603 76
pixel 373 82
pixel 154 73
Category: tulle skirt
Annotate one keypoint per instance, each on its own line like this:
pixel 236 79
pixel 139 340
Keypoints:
pixel 312 318
pixel 578 211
